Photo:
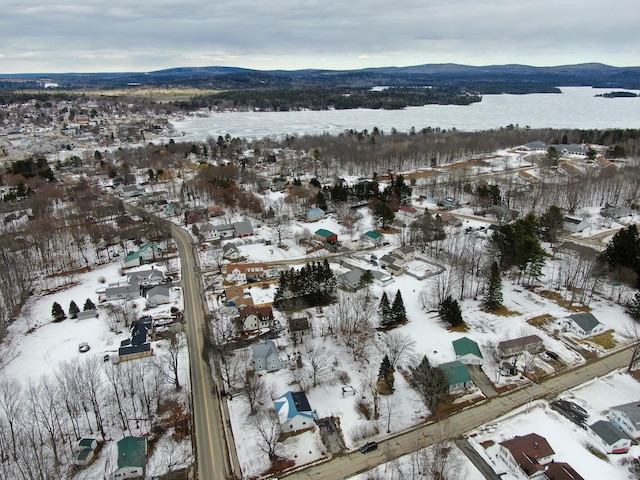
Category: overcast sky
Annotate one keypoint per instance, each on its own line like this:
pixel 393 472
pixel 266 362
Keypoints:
pixel 123 35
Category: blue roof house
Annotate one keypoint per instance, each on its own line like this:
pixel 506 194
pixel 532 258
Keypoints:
pixel 294 412
pixel 315 214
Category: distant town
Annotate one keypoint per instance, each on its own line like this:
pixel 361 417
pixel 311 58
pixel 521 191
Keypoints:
pixel 376 304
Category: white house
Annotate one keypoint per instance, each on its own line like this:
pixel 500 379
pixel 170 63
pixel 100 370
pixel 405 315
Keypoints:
pixel 584 324
pixel 294 412
pixel 253 318
pixel 239 272
pixel 145 278
pixel 610 438
pixel 627 418
pixel 125 292
pixel 526 455
pixel 467 351
pixel 575 225
pixel 266 357
pixel 158 295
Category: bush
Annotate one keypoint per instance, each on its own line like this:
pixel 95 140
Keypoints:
pixel 364 408
pixel 343 377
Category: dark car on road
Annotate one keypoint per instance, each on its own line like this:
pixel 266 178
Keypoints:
pixel 552 355
pixel 368 447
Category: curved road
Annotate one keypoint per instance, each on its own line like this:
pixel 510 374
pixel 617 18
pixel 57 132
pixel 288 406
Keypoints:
pixel 346 466
pixel 215 458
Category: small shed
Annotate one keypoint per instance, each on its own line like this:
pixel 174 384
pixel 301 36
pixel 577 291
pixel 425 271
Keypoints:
pixel 575 225
pixel 373 237
pixel 86 314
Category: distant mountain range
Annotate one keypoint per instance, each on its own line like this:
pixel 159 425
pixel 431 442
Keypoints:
pixel 487 79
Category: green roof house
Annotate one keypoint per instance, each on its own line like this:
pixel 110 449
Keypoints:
pixel 373 237
pixel 467 351
pixel 150 251
pixel 132 260
pixel 457 376
pixel 132 458
pixel 326 236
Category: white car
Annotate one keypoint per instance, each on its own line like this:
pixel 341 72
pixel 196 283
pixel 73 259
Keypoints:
pixel 83 347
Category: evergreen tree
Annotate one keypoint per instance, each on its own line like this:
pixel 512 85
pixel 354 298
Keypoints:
pixel 89 305
pixel 384 311
pixel 551 223
pixel 73 309
pixel 57 312
pixel 385 377
pixel 450 312
pixel 493 299
pixel 398 312
pixel 633 308
pixel 366 279
pixel 624 249
pixel 431 384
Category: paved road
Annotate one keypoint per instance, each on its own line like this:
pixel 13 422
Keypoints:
pixel 474 457
pixel 210 416
pixel 346 466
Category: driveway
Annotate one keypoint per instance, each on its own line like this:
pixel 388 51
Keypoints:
pixel 481 381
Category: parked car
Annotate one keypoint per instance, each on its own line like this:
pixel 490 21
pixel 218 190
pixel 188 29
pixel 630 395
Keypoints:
pixel 83 347
pixel 552 355
pixel 369 447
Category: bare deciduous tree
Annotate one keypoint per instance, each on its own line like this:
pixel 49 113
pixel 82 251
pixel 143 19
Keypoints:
pixel 398 346
pixel 267 425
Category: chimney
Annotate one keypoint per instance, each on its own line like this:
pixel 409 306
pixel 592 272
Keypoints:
pixel 535 444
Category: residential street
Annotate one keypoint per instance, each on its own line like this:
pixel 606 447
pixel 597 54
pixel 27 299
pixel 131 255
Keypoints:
pixel 351 464
pixel 210 415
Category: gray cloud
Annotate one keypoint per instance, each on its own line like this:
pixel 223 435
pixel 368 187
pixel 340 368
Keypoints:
pixel 119 35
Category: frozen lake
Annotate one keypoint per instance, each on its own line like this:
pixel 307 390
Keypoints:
pixel 576 107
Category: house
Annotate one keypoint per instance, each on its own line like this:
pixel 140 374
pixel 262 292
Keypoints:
pixel 394 269
pixel 266 357
pixel 242 229
pixel 132 260
pixel 584 324
pixel 406 252
pixel 150 252
pixel 326 237
pixel 562 471
pixel 528 454
pixel 351 279
pixel 627 418
pixel 125 292
pixel 610 437
pixel 467 351
pixel 130 191
pixel 508 369
pixel 617 212
pixel 373 237
pixel 516 346
pixel 216 232
pixel 315 214
pixel 158 295
pixel 230 251
pixel 137 346
pixel 503 214
pixel 408 212
pixel 255 317
pixel 391 259
pixel 294 412
pixel 299 326
pixel 145 278
pixel 85 451
pixel 235 296
pixel 575 225
pixel 239 273
pixel 457 375
pixel 132 458
pixel 87 314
